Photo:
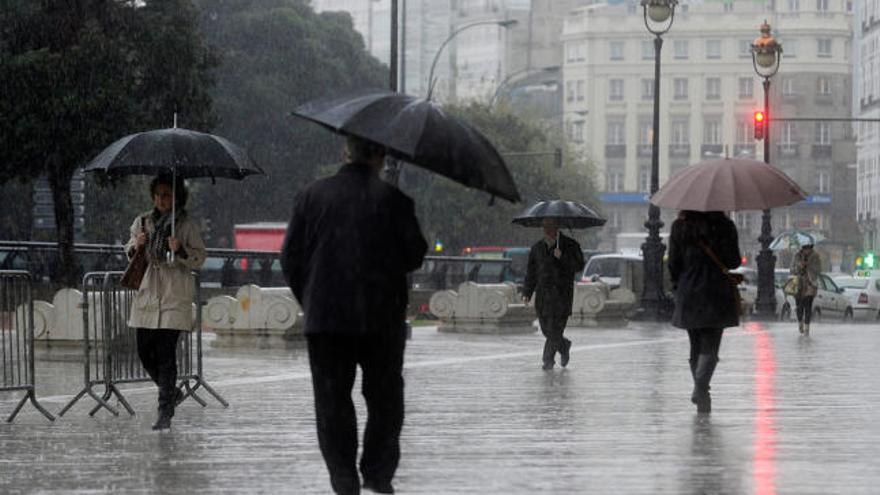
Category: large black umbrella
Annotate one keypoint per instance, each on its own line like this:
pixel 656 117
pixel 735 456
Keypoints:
pixel 568 214
pixel 176 151
pixel 417 131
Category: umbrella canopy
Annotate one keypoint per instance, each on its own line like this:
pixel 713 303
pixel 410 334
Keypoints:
pixel 568 214
pixel 728 184
pixel 794 239
pixel 417 131
pixel 177 151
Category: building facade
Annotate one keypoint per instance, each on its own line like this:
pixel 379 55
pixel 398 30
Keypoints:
pixel 866 105
pixel 709 92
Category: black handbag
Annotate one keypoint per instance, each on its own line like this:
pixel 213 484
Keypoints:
pixel 137 267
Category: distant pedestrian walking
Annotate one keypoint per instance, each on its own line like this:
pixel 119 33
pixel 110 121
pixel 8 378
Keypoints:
pixel 806 266
pixel 702 247
pixel 162 307
pixel 351 242
pixel 553 263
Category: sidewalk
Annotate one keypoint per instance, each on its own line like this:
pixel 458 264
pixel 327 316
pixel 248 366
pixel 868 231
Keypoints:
pixel 790 415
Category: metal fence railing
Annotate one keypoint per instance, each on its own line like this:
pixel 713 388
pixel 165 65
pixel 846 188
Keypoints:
pixel 17 339
pixel 110 347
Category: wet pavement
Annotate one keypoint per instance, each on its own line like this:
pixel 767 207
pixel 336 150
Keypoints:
pixel 791 415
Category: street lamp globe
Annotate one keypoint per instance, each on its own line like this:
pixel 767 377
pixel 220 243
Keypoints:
pixel 766 52
pixel 659 12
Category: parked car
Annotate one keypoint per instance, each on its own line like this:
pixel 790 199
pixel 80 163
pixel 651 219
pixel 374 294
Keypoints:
pixel 622 270
pixel 749 292
pixel 864 294
pixel 830 300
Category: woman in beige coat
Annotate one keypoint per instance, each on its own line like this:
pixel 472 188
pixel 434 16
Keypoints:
pixel 162 308
pixel 806 265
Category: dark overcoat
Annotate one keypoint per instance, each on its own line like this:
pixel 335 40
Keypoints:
pixel 703 295
pixel 350 243
pixel 551 280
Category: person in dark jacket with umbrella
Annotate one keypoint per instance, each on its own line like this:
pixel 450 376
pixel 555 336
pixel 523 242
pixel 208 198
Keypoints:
pixel 553 263
pixel 702 247
pixel 349 246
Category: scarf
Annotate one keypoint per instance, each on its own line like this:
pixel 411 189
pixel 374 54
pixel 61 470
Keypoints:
pixel 157 246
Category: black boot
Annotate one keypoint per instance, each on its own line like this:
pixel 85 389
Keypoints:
pixel 703 371
pixel 564 352
pixel 163 422
pixel 549 356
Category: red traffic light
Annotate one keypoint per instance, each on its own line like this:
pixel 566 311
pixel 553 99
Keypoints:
pixel 759 125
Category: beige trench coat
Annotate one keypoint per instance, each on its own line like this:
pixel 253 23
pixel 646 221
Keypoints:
pixel 166 295
pixel 807 269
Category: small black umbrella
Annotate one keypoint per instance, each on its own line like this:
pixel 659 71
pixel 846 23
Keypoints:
pixel 417 131
pixel 180 152
pixel 568 214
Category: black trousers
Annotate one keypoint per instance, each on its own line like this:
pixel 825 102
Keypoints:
pixel 157 349
pixel 333 359
pixel 704 341
pixel 804 309
pixel 553 328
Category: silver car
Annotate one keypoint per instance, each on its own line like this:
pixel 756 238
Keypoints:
pixel 864 295
pixel 830 300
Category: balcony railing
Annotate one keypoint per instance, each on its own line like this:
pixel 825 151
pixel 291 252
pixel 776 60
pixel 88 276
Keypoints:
pixel 615 151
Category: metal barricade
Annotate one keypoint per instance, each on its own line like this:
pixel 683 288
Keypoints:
pixel 17 339
pixel 110 346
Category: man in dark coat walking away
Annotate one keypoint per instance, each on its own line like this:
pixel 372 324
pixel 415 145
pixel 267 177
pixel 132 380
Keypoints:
pixel 349 246
pixel 553 263
pixel 702 247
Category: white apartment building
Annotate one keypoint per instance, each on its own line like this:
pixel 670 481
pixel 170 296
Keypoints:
pixel 708 94
pixel 866 105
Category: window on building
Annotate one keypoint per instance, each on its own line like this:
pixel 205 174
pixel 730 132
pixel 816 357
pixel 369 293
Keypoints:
pixel 647 50
pixel 713 49
pixel 569 91
pixel 614 181
pixel 615 49
pixel 644 179
pixel 681 49
pixel 647 89
pixel 788 87
pixel 787 135
pixel 711 130
pixel 616 134
pixel 822 5
pixel 745 131
pixel 823 133
pixel 794 5
pixel 615 89
pixel 791 48
pixel 745 48
pixel 580 90
pixel 746 87
pixel 823 86
pixel 646 131
pixel 713 88
pixel 728 5
pixel 577 131
pixel 824 47
pixel 823 181
pixel 680 88
pixel 679 132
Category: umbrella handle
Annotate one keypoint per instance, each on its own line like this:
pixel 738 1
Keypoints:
pixel 173 202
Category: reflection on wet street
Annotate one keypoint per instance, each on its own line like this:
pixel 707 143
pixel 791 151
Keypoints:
pixel 791 414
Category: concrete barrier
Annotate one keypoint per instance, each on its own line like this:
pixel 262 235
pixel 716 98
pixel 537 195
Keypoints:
pixel 482 308
pixel 254 316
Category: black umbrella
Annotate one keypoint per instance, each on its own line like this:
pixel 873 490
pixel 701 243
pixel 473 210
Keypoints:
pixel 417 131
pixel 568 214
pixel 179 152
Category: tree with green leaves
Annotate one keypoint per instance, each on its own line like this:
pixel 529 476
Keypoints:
pixel 276 55
pixel 462 217
pixel 76 76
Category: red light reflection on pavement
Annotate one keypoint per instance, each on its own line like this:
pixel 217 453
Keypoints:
pixel 764 457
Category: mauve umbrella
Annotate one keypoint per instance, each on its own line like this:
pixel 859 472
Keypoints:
pixel 794 239
pixel 728 184
pixel 568 214
pixel 417 131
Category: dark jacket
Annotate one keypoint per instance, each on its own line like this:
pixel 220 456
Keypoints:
pixel 703 295
pixel 351 242
pixel 551 279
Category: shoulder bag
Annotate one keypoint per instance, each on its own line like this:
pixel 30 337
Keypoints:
pixel 137 267
pixel 733 278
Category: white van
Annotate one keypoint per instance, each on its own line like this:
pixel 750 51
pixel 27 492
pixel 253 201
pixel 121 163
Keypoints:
pixel 622 270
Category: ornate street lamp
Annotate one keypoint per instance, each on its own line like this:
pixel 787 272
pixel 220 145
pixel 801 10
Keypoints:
pixel 659 15
pixel 766 54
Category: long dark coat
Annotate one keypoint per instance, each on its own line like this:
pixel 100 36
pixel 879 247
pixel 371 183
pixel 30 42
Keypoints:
pixel 551 280
pixel 351 242
pixel 703 295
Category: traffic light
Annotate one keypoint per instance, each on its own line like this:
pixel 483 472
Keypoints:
pixel 869 260
pixel 760 120
pixel 438 246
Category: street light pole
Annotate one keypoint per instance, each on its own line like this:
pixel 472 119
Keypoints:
pixel 766 55
pixel 505 24
pixel 659 15
pixel 526 71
